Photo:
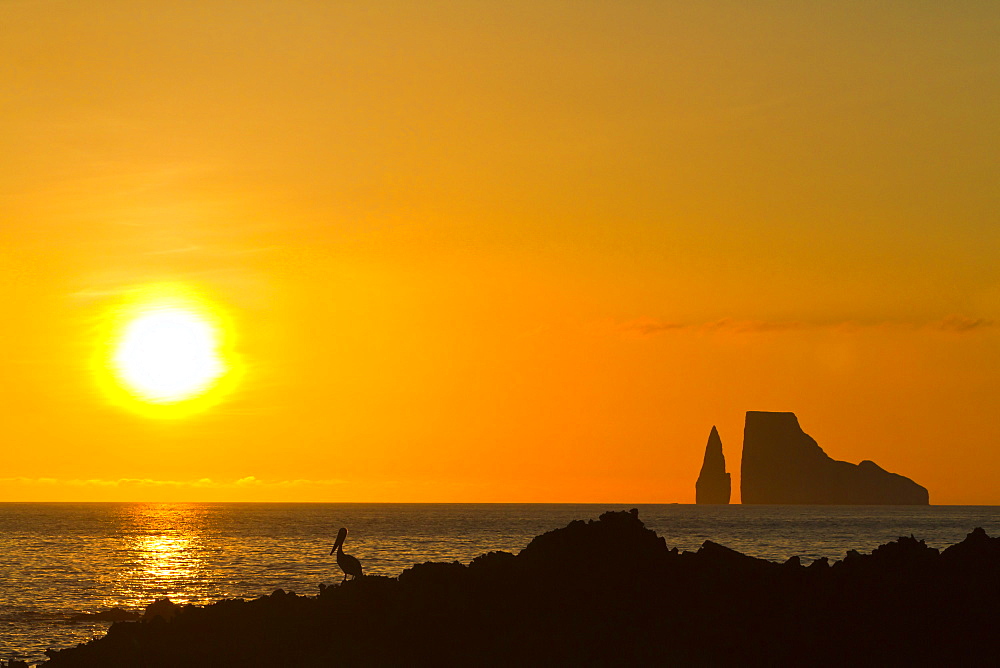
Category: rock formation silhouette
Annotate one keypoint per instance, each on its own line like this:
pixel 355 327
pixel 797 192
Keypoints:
pixel 113 615
pixel 714 484
pixel 598 593
pixel 784 465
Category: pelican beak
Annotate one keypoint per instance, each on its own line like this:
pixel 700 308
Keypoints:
pixel 333 549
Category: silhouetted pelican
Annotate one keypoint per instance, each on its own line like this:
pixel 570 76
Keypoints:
pixel 350 565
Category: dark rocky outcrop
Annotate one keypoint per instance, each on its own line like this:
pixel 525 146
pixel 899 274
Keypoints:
pixel 163 608
pixel 714 484
pixel 598 593
pixel 784 465
pixel 112 615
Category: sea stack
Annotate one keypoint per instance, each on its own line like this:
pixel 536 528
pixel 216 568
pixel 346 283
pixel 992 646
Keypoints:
pixel 783 465
pixel 714 484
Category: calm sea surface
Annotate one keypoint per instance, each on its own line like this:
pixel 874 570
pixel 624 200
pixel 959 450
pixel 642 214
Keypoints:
pixel 57 560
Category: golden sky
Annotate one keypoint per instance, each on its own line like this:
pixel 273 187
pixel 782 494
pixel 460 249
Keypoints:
pixel 502 251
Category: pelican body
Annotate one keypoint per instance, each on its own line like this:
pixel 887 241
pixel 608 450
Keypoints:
pixel 350 565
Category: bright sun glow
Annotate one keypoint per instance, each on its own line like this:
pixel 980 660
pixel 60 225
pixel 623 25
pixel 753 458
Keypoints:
pixel 166 352
pixel 168 355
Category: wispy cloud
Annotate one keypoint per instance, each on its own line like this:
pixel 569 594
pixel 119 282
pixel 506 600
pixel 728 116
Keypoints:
pixel 176 251
pixel 961 323
pixel 150 483
pixel 652 327
pixel 644 327
pixel 751 326
pixel 649 326
pixel 212 250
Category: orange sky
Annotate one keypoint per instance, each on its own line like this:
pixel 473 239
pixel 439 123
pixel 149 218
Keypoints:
pixel 511 251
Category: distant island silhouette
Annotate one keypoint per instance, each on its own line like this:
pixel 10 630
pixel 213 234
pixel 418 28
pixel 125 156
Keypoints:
pixel 783 465
pixel 599 593
pixel 714 484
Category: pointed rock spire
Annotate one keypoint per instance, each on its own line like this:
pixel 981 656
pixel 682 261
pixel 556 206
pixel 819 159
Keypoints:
pixel 714 484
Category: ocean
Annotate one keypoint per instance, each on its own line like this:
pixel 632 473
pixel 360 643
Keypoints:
pixel 62 559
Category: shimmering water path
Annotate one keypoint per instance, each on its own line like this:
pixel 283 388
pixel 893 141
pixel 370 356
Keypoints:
pixel 57 560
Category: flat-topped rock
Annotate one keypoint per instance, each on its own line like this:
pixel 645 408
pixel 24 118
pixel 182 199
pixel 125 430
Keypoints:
pixel 784 465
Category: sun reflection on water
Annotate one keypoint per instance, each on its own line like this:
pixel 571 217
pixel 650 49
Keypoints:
pixel 164 559
pixel 163 554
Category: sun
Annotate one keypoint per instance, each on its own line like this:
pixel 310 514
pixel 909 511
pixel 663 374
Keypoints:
pixel 168 354
pixel 166 351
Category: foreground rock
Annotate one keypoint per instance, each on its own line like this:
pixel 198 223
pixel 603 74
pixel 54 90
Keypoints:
pixel 782 464
pixel 599 593
pixel 112 615
pixel 714 484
